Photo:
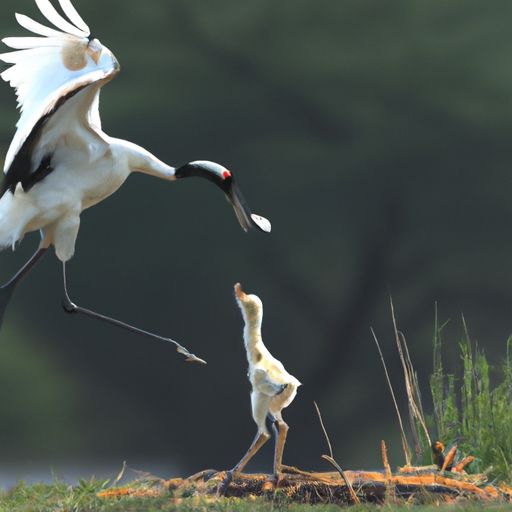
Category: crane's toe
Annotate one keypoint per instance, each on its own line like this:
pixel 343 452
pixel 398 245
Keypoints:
pixel 278 479
pixel 68 306
pixel 225 483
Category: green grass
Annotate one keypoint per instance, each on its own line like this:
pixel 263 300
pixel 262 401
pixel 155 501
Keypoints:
pixel 472 412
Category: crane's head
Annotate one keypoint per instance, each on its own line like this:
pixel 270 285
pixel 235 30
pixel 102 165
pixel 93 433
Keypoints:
pixel 223 178
pixel 101 55
pixel 251 305
pixel 82 56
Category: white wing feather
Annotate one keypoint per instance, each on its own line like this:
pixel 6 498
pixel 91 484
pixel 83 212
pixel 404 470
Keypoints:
pixel 36 27
pixel 264 383
pixel 73 16
pixel 38 73
pixel 51 14
pixel 22 55
pixel 25 43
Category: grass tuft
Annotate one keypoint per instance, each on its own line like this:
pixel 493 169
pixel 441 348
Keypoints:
pixel 472 413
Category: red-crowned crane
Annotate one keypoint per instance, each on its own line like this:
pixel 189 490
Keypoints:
pixel 60 162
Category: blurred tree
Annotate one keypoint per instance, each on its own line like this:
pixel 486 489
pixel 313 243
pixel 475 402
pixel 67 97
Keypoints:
pixel 375 136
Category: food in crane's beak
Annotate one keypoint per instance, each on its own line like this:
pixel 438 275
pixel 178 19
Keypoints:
pixel 242 210
pixel 225 181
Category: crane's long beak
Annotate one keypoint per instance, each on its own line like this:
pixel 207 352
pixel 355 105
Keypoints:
pixel 243 212
pixel 225 181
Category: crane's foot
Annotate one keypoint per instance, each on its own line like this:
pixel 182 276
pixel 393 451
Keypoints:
pixel 69 307
pixel 273 483
pixel 278 479
pixel 226 482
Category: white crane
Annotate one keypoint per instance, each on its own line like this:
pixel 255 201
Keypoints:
pixel 60 162
pixel 273 388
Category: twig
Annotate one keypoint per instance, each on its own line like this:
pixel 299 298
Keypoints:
pixel 330 459
pixel 385 462
pixel 390 488
pixel 323 429
pixel 405 445
pixel 448 461
pixel 120 475
pixel 463 463
pixel 351 491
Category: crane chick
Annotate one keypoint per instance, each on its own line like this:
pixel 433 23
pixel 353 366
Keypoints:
pixel 273 388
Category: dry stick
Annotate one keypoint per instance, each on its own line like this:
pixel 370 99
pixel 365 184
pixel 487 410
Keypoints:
pixel 120 475
pixel 463 463
pixel 385 461
pixel 390 488
pixel 405 445
pixel 323 429
pixel 449 458
pixel 330 459
pixel 351 491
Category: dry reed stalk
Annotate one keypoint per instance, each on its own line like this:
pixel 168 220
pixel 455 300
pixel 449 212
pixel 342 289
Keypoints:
pixel 411 386
pixel 405 445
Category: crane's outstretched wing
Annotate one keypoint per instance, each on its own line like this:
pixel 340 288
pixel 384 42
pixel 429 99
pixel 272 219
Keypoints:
pixel 47 71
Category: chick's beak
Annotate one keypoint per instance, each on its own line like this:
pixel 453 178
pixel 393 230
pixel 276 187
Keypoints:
pixel 239 293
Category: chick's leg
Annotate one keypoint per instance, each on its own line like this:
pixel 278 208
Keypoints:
pixel 260 439
pixel 260 404
pixel 282 432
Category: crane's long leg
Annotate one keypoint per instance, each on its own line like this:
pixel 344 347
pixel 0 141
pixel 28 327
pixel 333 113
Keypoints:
pixel 260 439
pixel 71 307
pixel 7 289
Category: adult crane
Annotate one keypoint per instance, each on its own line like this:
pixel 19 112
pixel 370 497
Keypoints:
pixel 60 161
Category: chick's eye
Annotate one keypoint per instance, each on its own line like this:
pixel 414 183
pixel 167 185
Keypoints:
pixel 226 174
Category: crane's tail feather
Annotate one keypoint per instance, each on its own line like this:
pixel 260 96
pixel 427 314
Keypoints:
pixel 15 213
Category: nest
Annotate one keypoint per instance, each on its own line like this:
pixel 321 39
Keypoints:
pixel 411 484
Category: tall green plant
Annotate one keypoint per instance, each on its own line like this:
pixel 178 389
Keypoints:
pixel 474 415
